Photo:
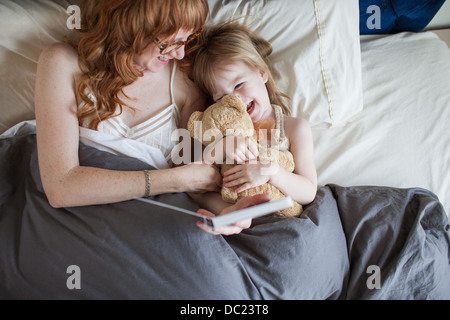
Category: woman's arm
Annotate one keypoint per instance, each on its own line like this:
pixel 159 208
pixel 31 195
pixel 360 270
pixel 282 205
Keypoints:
pixel 65 182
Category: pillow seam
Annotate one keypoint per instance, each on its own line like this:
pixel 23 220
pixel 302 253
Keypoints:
pixel 323 68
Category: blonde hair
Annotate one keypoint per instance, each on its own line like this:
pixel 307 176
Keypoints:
pixel 230 42
pixel 114 32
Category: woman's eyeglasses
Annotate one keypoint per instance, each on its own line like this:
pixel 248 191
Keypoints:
pixel 168 47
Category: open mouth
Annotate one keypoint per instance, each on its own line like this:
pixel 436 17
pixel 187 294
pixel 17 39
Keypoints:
pixel 163 59
pixel 250 107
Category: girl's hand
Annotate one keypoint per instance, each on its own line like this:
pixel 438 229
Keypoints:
pixel 236 148
pixel 248 175
pixel 238 226
pixel 240 149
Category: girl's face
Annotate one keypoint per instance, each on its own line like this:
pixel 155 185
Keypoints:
pixel 247 83
pixel 151 58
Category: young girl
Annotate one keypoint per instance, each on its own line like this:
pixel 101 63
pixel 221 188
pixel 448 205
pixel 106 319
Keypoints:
pixel 233 60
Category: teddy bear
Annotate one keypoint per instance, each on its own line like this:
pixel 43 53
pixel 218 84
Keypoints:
pixel 229 115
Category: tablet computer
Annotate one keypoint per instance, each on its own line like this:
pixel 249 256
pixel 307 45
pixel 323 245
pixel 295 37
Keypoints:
pixel 232 217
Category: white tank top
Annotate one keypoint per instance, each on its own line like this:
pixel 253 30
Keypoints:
pixel 155 131
pixel 279 139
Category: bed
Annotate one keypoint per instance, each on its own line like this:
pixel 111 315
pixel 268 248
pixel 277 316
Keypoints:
pixel 379 107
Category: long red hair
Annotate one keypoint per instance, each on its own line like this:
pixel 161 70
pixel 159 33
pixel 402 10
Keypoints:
pixel 114 32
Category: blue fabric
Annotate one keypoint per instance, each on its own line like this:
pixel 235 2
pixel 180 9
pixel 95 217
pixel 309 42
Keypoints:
pixel 393 16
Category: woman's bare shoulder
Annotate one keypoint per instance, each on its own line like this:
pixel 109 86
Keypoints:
pixel 188 91
pixel 60 55
pixel 183 80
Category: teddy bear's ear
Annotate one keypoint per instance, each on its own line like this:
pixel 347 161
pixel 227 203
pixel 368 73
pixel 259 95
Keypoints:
pixel 195 116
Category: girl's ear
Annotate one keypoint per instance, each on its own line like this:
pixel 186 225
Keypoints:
pixel 264 75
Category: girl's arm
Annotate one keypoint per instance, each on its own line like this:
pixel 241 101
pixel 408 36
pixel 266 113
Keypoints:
pixel 211 201
pixel 301 184
pixel 238 226
pixel 65 182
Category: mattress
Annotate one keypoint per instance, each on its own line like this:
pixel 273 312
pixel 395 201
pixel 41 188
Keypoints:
pixel 401 137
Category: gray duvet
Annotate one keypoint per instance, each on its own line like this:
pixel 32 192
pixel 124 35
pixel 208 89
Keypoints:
pixel 350 243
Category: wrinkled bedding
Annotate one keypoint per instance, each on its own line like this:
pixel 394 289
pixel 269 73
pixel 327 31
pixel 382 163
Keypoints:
pixel 133 250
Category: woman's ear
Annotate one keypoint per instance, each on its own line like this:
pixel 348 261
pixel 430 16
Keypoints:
pixel 264 75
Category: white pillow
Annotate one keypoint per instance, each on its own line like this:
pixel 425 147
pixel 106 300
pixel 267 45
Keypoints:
pixel 316 51
pixel 27 27
pixel 325 91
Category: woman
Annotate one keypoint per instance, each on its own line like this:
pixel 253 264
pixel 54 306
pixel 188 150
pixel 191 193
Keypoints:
pixel 123 69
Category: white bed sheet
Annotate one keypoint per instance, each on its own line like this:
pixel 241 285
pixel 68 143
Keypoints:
pixel 109 143
pixel 401 138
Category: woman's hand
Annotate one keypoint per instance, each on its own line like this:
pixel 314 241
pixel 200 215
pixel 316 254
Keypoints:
pixel 238 226
pixel 199 177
